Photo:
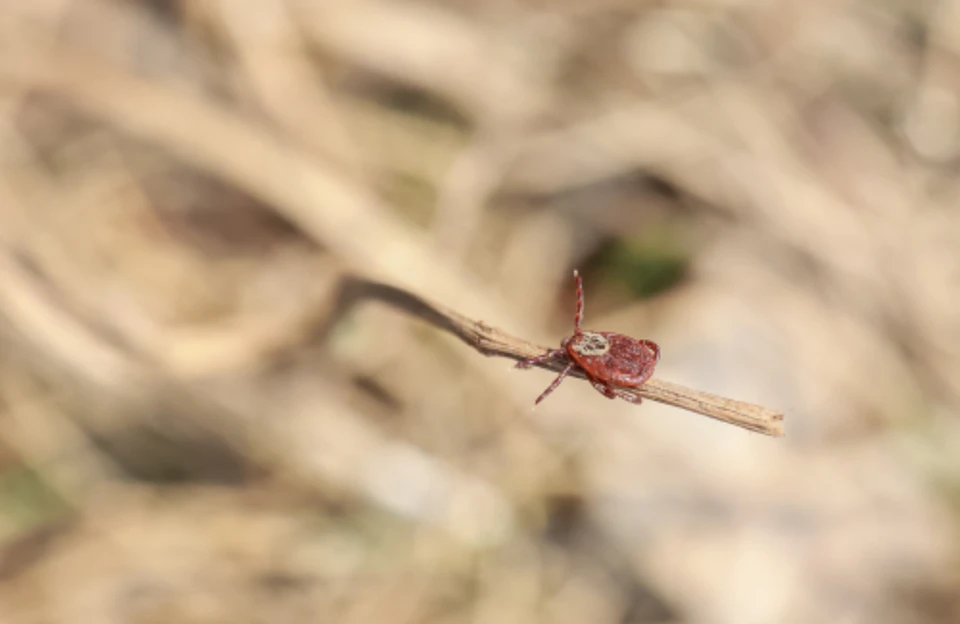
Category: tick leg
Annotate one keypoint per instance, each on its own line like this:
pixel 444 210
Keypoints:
pixel 578 318
pixel 604 389
pixel 540 359
pixel 612 392
pixel 629 397
pixel 556 382
pixel 654 347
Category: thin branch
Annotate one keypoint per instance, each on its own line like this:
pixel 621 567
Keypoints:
pixel 491 341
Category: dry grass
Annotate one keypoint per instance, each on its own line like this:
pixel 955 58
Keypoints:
pixel 199 424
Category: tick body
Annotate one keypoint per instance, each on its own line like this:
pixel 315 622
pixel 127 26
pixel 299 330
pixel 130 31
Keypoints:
pixel 611 361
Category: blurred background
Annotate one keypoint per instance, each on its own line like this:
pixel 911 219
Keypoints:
pixel 206 417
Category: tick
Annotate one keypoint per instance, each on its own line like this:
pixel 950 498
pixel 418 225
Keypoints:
pixel 611 361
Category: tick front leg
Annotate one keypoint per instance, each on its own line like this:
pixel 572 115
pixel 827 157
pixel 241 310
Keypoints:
pixel 556 382
pixel 540 359
pixel 578 317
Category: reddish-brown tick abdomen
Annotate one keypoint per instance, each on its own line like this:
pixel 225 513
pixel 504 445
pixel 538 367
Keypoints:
pixel 614 358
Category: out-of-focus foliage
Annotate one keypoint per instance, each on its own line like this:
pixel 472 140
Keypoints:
pixel 200 423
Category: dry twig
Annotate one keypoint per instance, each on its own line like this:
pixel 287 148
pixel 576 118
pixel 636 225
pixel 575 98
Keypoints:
pixel 494 342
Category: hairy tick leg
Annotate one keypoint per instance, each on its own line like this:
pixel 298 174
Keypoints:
pixel 556 382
